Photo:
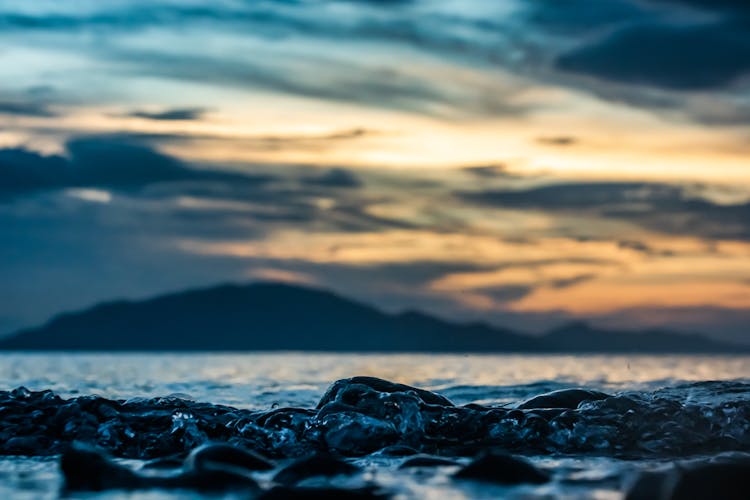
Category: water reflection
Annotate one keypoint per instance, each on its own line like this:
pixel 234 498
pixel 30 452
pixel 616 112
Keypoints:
pixel 261 379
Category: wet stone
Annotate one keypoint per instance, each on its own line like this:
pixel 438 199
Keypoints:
pixel 87 469
pixel 364 415
pixel 25 445
pixel 397 450
pixel 427 461
pixel 317 465
pixel 500 468
pixel 218 455
pixel 355 434
pixel 342 388
pixel 728 481
pixel 323 493
pixel 564 398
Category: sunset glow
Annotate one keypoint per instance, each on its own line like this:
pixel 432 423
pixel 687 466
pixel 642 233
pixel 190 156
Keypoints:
pixel 478 163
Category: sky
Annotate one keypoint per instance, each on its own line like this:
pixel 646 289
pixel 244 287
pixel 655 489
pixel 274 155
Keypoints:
pixel 520 163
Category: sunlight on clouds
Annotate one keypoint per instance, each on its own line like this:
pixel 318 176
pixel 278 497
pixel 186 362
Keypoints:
pixel 90 195
pixel 548 273
pixel 398 246
pixel 611 295
pixel 581 277
pixel 281 275
pixel 446 121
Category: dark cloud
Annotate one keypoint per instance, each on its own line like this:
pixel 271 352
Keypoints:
pixel 463 39
pixel 106 162
pixel 280 142
pixel 488 171
pixel 383 87
pixel 301 142
pixel 581 16
pixel 561 140
pixel 671 56
pixel 175 114
pixel 506 294
pixel 22 170
pixel 582 196
pixel 35 109
pixel 100 161
pixel 353 216
pixel 334 178
pixel 189 202
pixel 572 281
pixel 663 207
pixel 644 248
pixel 729 6
pixel 626 41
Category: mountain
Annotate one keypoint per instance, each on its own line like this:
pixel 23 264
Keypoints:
pixel 273 316
pixel 581 337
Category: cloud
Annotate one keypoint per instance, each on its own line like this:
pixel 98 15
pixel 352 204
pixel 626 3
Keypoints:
pixel 488 171
pixel 670 56
pixel 22 170
pixel 585 195
pixel 730 6
pixel 334 178
pixel 308 142
pixel 33 109
pixel 572 281
pixel 648 39
pixel 582 16
pixel 644 248
pixel 668 208
pixel 504 294
pixel 176 114
pixel 290 42
pixel 100 161
pixel 189 201
pixel 561 140
pixel 685 59
pixel 259 142
pixel 344 81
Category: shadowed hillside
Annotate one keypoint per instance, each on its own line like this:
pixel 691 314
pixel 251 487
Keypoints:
pixel 269 316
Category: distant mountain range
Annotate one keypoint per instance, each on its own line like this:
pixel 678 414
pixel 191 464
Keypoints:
pixel 273 316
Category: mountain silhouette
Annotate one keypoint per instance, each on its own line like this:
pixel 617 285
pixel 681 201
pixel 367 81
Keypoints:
pixel 274 316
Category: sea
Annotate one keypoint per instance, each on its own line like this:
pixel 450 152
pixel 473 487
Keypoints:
pixel 662 410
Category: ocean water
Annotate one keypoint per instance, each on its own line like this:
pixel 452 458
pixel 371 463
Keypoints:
pixel 664 409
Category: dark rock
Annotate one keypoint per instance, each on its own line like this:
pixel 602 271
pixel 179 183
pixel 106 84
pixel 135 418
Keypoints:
pixel 728 481
pixel 427 461
pixel 171 462
pixel 355 434
pixel 397 450
pixel 329 493
pixel 26 445
pixel 564 398
pixel 218 455
pixel 502 469
pixel 87 469
pixel 361 416
pixel 652 485
pixel 205 480
pixel 313 466
pixel 282 417
pixel 20 393
pixel 381 385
